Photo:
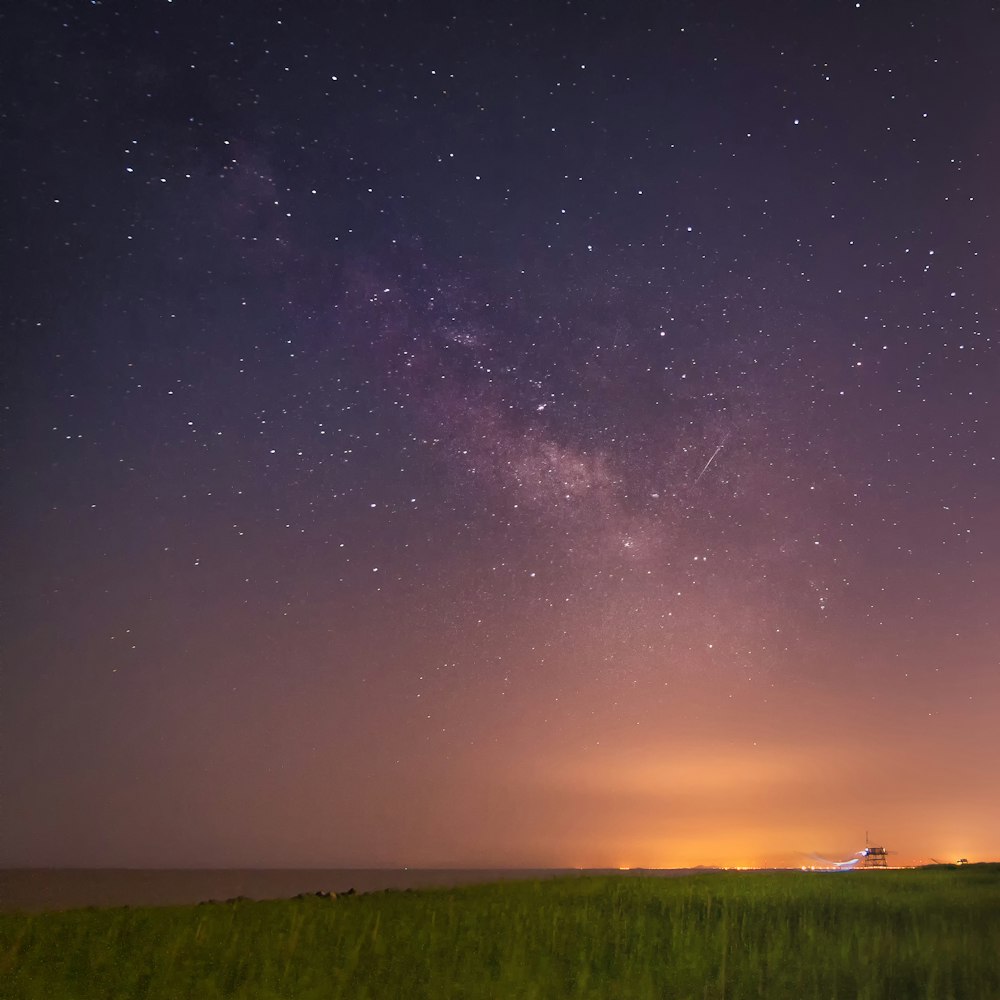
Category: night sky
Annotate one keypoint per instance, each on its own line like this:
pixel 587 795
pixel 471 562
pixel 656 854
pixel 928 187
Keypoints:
pixel 560 436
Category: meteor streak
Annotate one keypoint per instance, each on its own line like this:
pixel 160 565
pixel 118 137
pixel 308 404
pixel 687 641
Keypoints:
pixel 711 460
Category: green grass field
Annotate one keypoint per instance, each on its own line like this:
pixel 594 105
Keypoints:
pixel 929 933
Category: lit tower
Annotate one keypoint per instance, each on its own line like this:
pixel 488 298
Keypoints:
pixel 874 857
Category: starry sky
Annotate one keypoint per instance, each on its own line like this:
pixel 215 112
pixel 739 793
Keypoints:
pixel 561 435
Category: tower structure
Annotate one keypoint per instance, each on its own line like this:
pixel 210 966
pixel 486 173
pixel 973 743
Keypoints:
pixel 874 857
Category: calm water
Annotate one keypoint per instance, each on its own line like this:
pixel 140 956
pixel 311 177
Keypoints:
pixel 36 889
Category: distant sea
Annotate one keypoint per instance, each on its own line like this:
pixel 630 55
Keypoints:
pixel 38 889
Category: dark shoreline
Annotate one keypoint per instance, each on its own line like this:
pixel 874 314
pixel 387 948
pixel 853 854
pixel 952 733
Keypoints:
pixel 37 890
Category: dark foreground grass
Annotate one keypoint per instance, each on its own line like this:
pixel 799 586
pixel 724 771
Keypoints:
pixel 893 935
